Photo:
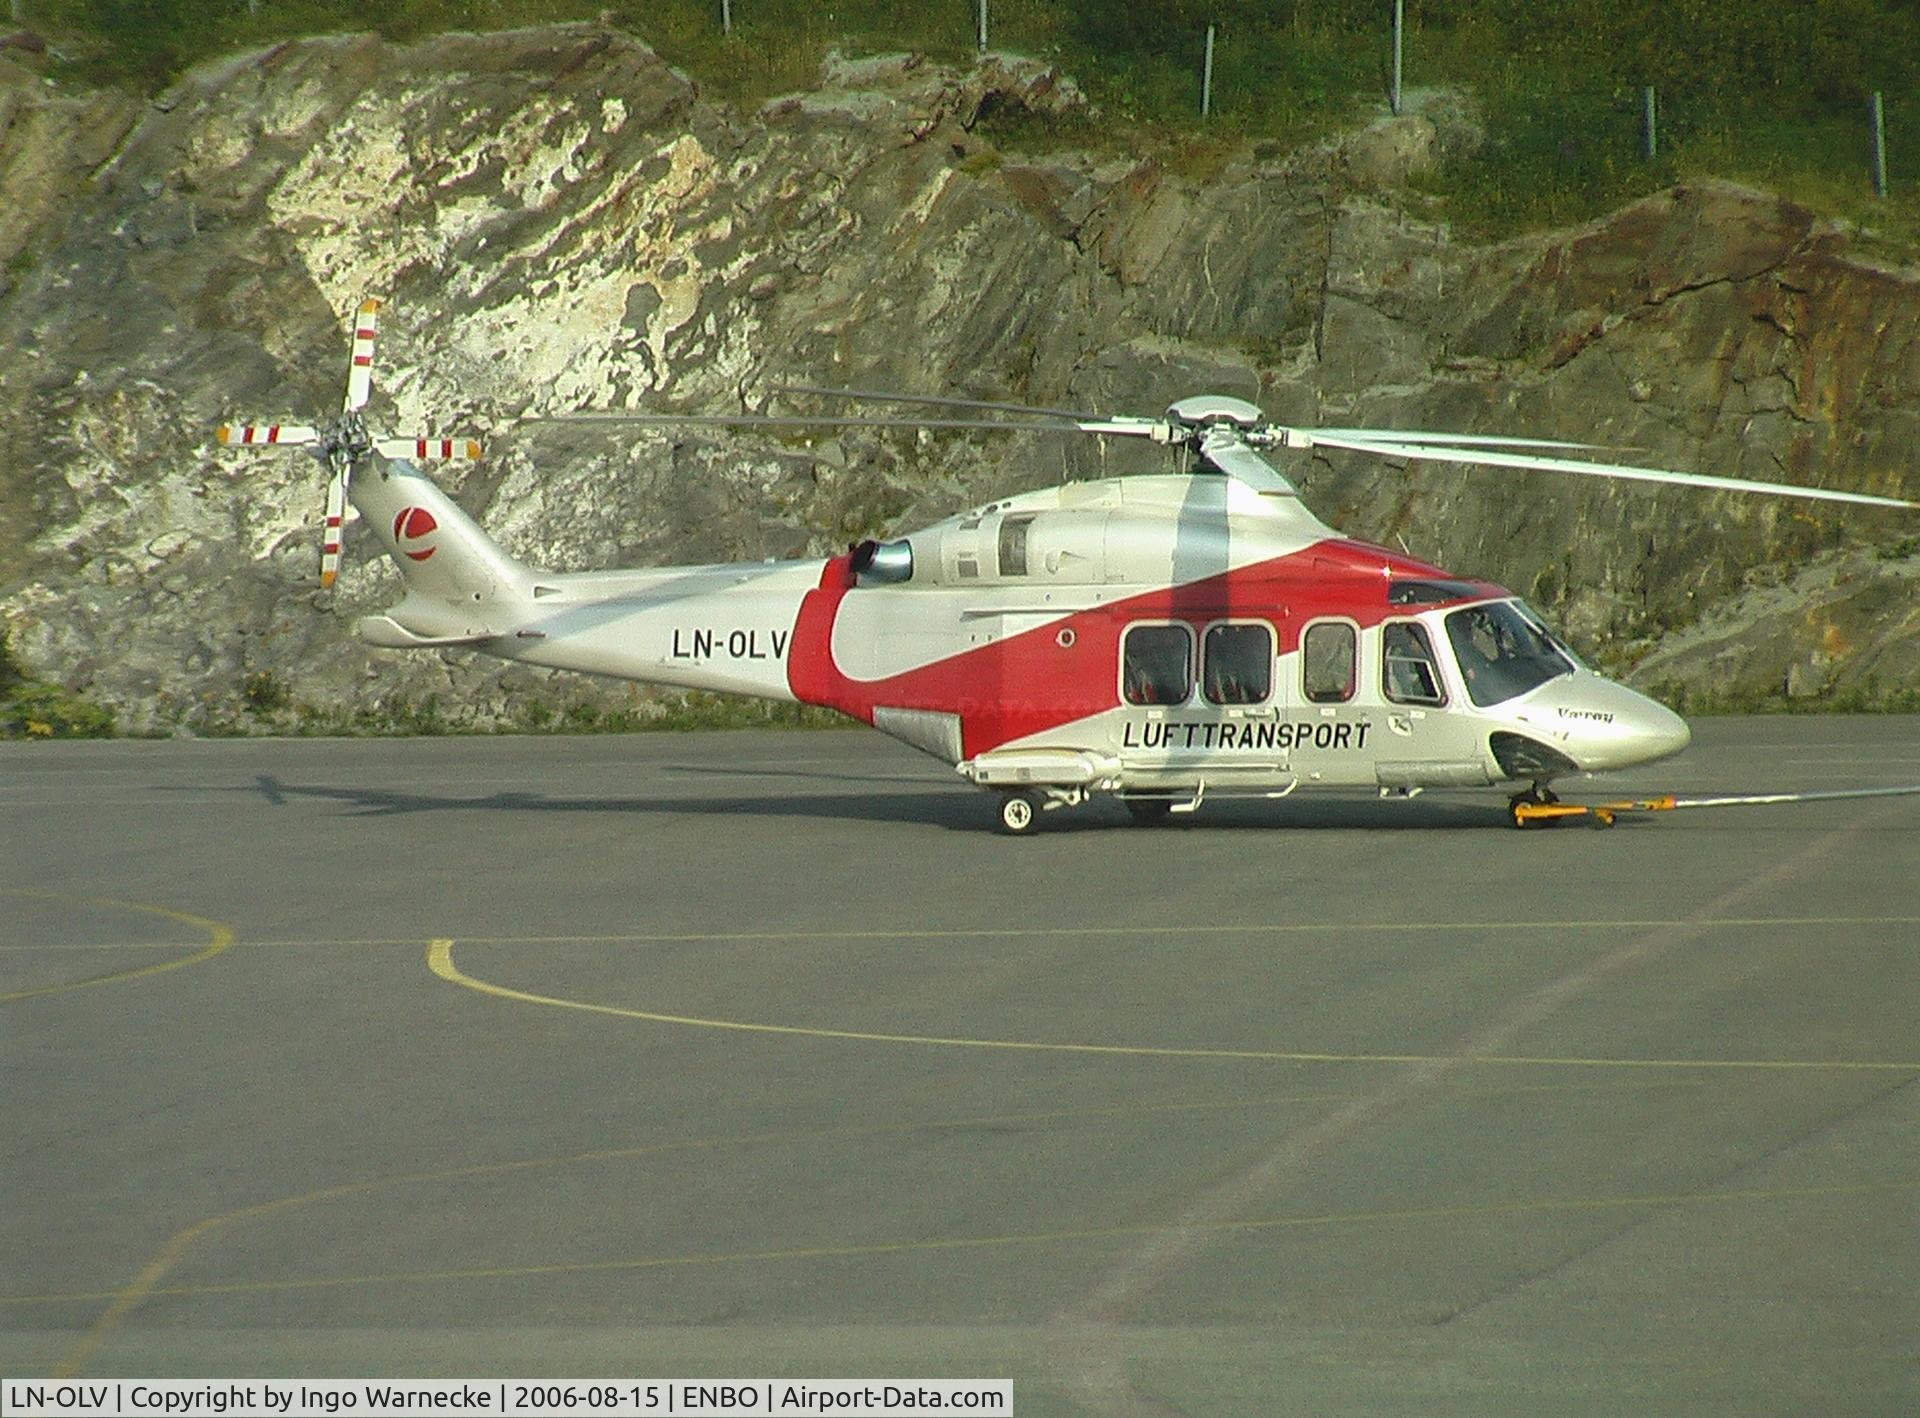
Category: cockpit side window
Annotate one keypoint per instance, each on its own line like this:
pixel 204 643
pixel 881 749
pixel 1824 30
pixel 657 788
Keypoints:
pixel 1502 653
pixel 1409 674
pixel 1157 664
pixel 1329 659
pixel 1237 664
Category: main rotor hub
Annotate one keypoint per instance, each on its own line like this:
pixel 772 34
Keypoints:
pixel 1207 410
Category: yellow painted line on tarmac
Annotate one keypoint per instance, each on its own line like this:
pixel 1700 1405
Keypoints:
pixel 440 961
pixel 146 1283
pixel 80 947
pixel 123 1300
pixel 1536 1206
pixel 1284 928
pixel 220 937
pixel 1159 932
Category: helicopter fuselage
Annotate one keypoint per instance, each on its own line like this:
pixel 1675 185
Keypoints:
pixel 1156 637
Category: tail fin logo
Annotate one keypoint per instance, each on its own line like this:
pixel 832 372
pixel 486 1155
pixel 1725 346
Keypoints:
pixel 410 527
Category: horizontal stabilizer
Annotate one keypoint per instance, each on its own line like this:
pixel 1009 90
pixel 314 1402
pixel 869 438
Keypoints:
pixel 390 634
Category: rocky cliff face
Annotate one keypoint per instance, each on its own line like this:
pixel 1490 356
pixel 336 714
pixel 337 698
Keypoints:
pixel 558 221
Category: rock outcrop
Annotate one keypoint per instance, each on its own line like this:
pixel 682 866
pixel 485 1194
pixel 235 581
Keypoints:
pixel 559 221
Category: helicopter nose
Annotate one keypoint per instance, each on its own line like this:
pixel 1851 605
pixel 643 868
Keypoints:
pixel 1611 726
pixel 1653 731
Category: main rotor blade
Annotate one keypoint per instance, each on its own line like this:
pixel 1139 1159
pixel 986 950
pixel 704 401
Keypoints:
pixel 1443 440
pixel 1625 471
pixel 366 327
pixel 820 421
pixel 881 396
pixel 1227 451
pixel 1080 419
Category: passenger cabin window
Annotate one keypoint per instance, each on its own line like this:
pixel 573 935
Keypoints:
pixel 1409 673
pixel 1157 664
pixel 1330 660
pixel 1236 664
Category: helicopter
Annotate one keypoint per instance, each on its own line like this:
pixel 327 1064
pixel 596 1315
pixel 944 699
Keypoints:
pixel 1162 638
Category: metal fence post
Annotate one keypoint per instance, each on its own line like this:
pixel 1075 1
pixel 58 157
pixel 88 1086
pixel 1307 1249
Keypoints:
pixel 1206 78
pixel 1399 27
pixel 726 16
pixel 1649 123
pixel 983 26
pixel 1879 145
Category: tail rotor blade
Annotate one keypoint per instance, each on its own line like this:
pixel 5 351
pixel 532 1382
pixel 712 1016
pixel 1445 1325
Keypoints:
pixel 264 435
pixel 366 327
pixel 330 538
pixel 442 450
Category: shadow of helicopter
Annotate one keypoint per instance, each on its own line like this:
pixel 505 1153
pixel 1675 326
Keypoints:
pixel 955 809
pixel 709 770
pixel 936 807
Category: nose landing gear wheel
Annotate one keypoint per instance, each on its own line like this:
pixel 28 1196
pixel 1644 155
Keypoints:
pixel 1522 807
pixel 1019 813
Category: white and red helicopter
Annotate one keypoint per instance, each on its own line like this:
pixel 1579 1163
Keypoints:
pixel 1161 638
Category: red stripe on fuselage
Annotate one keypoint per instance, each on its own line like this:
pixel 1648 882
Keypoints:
pixel 1030 682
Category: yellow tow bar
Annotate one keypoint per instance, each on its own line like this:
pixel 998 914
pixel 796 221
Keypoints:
pixel 1526 814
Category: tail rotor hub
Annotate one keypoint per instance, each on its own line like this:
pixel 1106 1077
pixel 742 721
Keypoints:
pixel 343 444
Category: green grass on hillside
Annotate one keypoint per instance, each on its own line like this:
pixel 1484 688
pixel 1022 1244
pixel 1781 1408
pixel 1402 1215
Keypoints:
pixel 1773 91
pixel 33 709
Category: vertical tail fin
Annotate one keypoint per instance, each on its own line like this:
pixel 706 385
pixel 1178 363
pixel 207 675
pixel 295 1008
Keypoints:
pixel 442 553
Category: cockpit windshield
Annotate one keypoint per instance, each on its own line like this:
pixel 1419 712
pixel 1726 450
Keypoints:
pixel 1502 653
pixel 1554 637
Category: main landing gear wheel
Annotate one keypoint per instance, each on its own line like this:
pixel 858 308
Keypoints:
pixel 1019 813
